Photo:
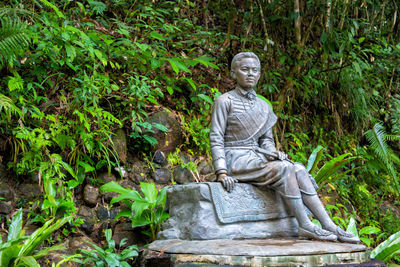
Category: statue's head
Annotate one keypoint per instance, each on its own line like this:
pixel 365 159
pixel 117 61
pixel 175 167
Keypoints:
pixel 245 69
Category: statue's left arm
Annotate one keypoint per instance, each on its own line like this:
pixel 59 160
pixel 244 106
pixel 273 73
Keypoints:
pixel 266 141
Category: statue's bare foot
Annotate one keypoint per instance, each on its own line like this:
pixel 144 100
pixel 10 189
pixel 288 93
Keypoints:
pixel 317 233
pixel 344 236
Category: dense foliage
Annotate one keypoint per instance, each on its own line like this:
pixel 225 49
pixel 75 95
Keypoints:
pixel 72 72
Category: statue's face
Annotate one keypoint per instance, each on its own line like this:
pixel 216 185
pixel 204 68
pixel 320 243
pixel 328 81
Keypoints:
pixel 247 73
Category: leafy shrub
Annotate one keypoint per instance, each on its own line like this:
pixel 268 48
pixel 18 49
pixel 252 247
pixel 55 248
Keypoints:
pixel 109 255
pixel 147 210
pixel 21 250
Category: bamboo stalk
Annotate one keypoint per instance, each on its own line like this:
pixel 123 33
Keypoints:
pixel 328 15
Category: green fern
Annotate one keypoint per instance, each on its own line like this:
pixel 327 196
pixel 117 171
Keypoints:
pixel 395 114
pixel 377 138
pixel 7 106
pixel 13 40
pixel 19 13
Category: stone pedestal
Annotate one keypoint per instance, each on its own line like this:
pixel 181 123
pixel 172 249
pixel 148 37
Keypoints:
pixel 253 252
pixel 204 211
pixel 210 227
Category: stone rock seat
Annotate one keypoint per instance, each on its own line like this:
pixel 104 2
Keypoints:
pixel 203 211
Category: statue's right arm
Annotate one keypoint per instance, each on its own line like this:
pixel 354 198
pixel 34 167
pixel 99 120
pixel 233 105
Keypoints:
pixel 219 119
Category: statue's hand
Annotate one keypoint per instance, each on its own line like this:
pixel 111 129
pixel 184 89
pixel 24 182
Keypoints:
pixel 227 181
pixel 281 155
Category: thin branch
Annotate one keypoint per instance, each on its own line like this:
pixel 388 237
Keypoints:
pixel 394 16
pixel 263 22
pixel 337 68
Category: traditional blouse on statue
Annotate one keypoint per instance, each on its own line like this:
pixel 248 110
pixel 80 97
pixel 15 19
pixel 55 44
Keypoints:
pixel 241 130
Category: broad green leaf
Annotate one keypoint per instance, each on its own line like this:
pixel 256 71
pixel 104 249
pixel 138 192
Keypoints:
pixel 352 227
pixel 206 61
pixel 357 67
pixel 369 230
pixel 130 253
pixel 68 168
pixel 206 98
pixel 366 241
pixel 71 53
pixel 314 158
pixel 149 190
pixel 177 65
pixel 86 166
pixel 192 84
pixel 108 234
pixel 124 213
pixel 13 243
pixel 162 196
pixel 392 240
pixel 332 166
pixel 114 187
pixel 139 206
pixel 40 235
pixel 100 56
pixel 170 89
pixel 112 260
pixel 132 195
pixel 136 222
pixel 387 254
pixel 15 227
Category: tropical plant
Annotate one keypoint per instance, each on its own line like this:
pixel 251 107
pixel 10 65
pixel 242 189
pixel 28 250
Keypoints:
pixel 147 210
pixel 330 168
pixel 109 255
pixel 21 250
pixel 387 249
pixel 377 137
pixel 364 233
pixel 13 40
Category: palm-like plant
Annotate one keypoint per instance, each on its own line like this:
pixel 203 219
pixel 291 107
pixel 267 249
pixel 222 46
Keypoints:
pixel 13 40
pixel 21 250
pixel 377 137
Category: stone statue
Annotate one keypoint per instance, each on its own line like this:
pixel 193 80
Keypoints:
pixel 243 150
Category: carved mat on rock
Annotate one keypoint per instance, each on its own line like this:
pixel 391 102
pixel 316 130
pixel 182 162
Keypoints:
pixel 246 203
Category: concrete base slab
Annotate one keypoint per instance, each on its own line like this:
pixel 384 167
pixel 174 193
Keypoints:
pixel 257 252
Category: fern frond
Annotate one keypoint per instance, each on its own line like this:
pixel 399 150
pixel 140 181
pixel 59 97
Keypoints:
pixel 13 40
pixel 377 138
pixel 7 105
pixel 16 13
pixel 393 137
